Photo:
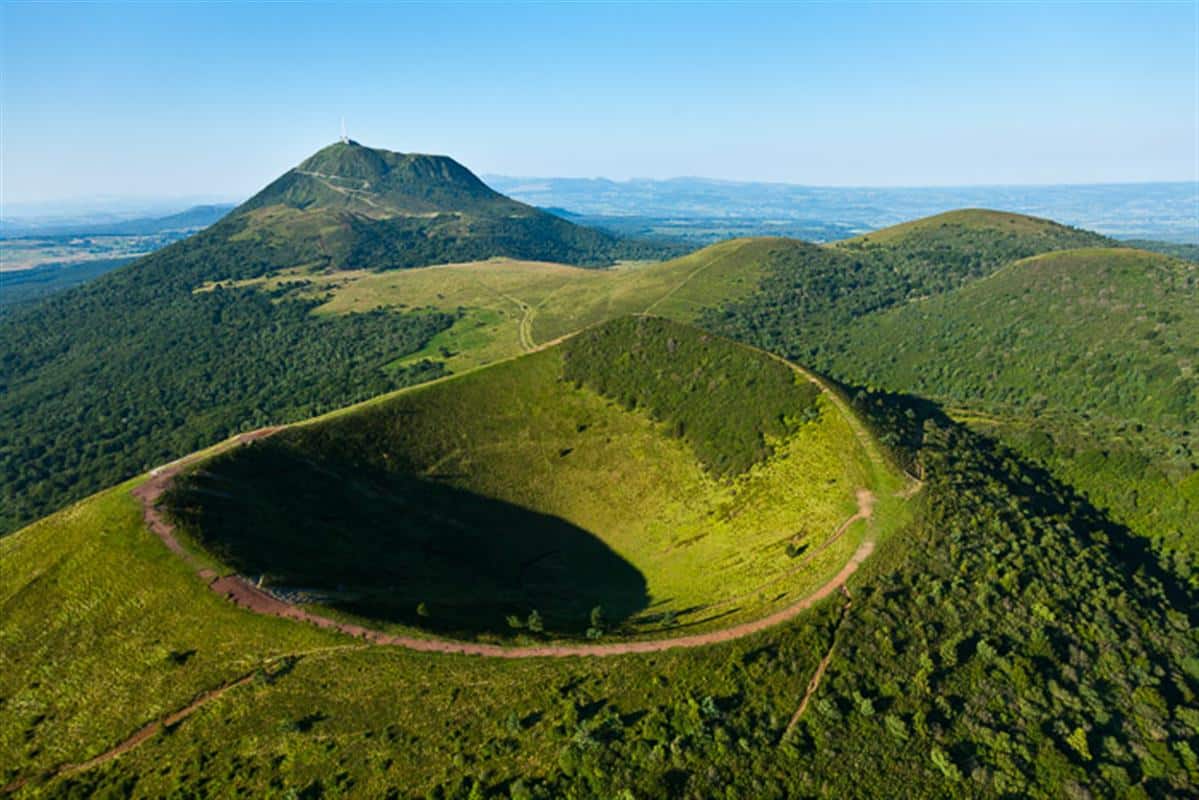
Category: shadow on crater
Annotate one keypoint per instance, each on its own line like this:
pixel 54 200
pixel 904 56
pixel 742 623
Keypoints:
pixel 400 548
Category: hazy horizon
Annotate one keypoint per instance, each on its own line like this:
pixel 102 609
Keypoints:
pixel 123 206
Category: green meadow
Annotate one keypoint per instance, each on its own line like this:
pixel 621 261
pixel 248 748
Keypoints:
pixel 508 306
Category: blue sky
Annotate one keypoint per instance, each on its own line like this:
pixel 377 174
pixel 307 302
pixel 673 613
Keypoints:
pixel 216 99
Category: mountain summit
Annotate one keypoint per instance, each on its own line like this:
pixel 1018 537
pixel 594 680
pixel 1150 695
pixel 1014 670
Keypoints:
pixel 348 207
pixel 380 184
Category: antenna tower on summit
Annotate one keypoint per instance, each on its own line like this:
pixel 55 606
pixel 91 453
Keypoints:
pixel 344 139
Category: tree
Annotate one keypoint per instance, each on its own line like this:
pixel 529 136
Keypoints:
pixel 534 622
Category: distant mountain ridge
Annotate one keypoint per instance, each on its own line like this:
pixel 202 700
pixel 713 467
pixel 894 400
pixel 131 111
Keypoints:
pixel 190 219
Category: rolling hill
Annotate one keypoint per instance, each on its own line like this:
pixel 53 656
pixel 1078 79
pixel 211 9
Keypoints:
pixel 983 649
pixel 1084 359
pixel 136 366
pixel 349 206
pixel 1103 331
pixel 809 296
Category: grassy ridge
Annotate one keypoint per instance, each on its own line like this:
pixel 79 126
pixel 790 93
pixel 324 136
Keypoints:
pixel 504 307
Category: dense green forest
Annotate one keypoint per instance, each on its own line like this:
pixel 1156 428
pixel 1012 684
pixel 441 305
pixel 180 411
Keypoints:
pixel 726 406
pixel 135 368
pixel 1086 357
pixel 812 295
pixel 1144 477
pixel 1110 332
pixel 1082 359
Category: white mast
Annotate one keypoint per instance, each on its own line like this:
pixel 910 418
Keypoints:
pixel 344 139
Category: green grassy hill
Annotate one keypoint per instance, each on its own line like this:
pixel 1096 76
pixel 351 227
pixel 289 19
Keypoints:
pixel 1110 332
pixel 640 466
pixel 1086 359
pixel 808 296
pixel 136 367
pixel 504 307
pixel 1000 644
pixel 349 206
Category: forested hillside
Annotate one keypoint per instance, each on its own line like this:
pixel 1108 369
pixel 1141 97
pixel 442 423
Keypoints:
pixel 132 370
pixel 811 296
pixel 139 366
pixel 1083 359
pixel 1109 332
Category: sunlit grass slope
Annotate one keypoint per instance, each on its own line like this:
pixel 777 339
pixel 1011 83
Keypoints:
pixel 546 484
pixel 509 306
pixel 103 630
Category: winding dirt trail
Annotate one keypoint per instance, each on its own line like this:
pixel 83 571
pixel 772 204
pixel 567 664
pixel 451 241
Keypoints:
pixel 170 720
pixel 174 718
pixel 818 675
pixel 245 594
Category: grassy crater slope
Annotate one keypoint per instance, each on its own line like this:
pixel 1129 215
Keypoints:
pixel 665 475
pixel 1001 646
